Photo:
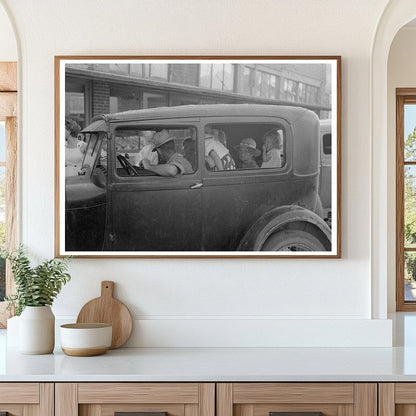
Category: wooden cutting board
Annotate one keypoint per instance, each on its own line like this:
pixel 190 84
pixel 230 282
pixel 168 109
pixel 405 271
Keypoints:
pixel 108 310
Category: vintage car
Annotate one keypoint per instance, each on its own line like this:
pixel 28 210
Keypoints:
pixel 115 205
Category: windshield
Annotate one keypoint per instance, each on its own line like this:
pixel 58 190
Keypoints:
pixel 93 148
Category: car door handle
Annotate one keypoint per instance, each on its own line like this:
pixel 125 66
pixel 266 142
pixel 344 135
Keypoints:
pixel 197 185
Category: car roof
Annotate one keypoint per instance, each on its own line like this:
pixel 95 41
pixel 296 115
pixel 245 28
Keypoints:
pixel 289 113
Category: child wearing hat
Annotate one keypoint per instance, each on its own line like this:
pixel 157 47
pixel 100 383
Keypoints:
pixel 247 151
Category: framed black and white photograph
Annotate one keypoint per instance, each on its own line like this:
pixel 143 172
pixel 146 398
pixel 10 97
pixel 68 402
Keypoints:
pixel 198 156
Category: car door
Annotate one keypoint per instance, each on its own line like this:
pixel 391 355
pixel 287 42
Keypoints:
pixel 234 199
pixel 86 196
pixel 152 213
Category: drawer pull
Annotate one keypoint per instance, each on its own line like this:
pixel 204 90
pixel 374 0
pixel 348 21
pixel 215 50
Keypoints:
pixel 295 414
pixel 140 414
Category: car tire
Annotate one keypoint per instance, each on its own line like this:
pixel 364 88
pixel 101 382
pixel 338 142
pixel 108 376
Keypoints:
pixel 292 240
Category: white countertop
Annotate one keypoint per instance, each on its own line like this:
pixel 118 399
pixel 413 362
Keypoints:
pixel 222 364
pixel 215 364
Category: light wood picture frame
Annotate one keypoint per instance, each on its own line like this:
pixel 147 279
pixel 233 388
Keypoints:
pixel 198 156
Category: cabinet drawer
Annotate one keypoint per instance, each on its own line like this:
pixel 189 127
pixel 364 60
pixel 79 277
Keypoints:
pixel 138 393
pixel 144 399
pixel 297 399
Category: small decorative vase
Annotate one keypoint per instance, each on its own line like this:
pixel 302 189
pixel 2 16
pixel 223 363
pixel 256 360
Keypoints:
pixel 37 330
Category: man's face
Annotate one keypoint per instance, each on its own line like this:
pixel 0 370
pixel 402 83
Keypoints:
pixel 162 155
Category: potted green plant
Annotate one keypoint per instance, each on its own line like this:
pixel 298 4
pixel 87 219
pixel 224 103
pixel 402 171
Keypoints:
pixel 36 289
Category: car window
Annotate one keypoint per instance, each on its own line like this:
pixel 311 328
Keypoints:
pixel 327 144
pixel 238 146
pixel 133 145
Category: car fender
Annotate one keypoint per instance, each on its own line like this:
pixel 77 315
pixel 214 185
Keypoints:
pixel 280 218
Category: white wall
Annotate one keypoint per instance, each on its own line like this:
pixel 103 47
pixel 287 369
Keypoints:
pixel 401 74
pixel 8 46
pixel 245 302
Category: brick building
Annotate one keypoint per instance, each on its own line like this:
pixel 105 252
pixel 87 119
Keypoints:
pixel 100 88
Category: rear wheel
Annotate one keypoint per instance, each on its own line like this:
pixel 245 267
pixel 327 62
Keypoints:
pixel 292 240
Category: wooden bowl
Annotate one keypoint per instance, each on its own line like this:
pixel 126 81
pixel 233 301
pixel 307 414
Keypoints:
pixel 84 340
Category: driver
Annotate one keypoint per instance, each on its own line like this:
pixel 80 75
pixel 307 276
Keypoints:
pixel 171 163
pixel 146 152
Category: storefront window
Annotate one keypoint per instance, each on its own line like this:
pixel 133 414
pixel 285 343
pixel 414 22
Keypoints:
pixel 75 107
pixel 151 100
pixel 123 98
pixel 205 75
pixel 137 70
pixel 272 87
pixel 257 84
pixel 113 104
pixel 247 77
pixel 182 99
pixel 119 68
pixel 228 77
pixel 264 89
pixel 290 89
pixel 301 92
pixel 159 71
pixel 186 74
pixel 217 76
pixel 311 94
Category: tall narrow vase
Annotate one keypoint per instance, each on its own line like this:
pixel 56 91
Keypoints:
pixel 37 330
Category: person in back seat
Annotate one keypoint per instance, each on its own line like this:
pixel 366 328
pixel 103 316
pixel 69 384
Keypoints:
pixel 247 151
pixel 217 153
pixel 189 151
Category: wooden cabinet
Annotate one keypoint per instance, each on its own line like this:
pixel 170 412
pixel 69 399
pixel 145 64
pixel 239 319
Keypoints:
pixel 264 399
pixel 208 399
pixel 106 399
pixel 27 399
pixel 397 399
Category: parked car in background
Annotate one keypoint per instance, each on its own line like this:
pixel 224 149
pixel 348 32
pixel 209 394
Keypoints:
pixel 325 182
pixel 115 205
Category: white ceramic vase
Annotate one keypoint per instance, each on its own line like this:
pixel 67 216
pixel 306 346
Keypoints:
pixel 37 330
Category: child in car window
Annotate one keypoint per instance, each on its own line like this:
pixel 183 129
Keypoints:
pixel 272 155
pixel 217 155
pixel 247 151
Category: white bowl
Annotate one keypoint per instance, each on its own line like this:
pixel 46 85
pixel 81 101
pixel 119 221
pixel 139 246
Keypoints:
pixel 83 340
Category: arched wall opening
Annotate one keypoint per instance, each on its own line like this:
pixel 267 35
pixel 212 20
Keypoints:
pixel 401 74
pixel 396 15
